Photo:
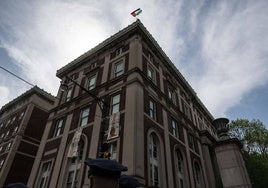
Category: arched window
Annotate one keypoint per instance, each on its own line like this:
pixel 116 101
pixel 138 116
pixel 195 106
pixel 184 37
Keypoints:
pixel 154 157
pixel 180 173
pixel 197 175
pixel 74 166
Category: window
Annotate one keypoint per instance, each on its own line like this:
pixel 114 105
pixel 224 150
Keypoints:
pixel 8 122
pixel 15 129
pixel 152 109
pixel 118 51
pixel 84 117
pixel 1 125
pixel 191 141
pixel 1 148
pixel 150 73
pixel 74 166
pixel 71 180
pixel 118 69
pixel 8 146
pixel 2 135
pixel 69 94
pixel 197 175
pixel 186 110
pixel 112 149
pixel 7 133
pixel 91 82
pixel 93 65
pixel 74 76
pixel 58 128
pixel 179 169
pixel 44 175
pixel 21 115
pixel 13 119
pixel 175 128
pixel 115 104
pixel 150 57
pixel 2 163
pixel 154 161
pixel 171 95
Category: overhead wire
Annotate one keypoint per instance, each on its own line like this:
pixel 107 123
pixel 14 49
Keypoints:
pixel 16 76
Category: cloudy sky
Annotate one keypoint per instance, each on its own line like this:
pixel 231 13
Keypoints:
pixel 220 46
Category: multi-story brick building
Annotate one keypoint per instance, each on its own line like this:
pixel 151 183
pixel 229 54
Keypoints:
pixel 155 125
pixel 22 122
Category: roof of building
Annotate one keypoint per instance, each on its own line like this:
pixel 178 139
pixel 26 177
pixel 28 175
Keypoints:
pixel 33 90
pixel 137 25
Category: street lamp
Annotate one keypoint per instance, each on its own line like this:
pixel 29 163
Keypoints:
pixel 104 109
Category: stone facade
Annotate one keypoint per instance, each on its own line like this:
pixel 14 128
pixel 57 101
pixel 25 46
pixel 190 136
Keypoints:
pixel 22 122
pixel 155 125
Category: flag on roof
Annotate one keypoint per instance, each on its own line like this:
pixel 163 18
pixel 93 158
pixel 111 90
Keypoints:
pixel 136 12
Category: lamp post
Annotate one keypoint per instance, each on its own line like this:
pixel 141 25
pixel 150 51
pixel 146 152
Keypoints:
pixel 102 105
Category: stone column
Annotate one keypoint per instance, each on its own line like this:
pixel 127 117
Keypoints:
pixel 207 141
pixel 230 161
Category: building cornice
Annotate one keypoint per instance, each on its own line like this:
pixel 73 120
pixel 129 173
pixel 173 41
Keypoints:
pixel 34 90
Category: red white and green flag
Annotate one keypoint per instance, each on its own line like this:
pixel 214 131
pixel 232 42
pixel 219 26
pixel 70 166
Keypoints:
pixel 136 12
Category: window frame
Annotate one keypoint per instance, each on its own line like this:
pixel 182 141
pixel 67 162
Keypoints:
pixel 58 128
pixel 172 94
pixel 175 128
pixel 90 78
pixel 152 109
pixel 197 174
pixel 69 94
pixel 2 162
pixel 84 117
pixel 180 169
pixel 117 73
pixel 113 150
pixel 117 104
pixel 44 174
pixel 151 73
pixel 15 129
pixel 186 108
pixel 21 115
pixel 154 161
pixel 8 147
pixel 13 119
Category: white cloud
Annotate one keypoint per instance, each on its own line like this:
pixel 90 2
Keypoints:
pixel 220 47
pixel 233 46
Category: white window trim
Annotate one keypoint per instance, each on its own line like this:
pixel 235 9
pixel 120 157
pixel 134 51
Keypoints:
pixel 153 70
pixel 84 117
pixel 89 79
pixel 57 131
pixel 112 151
pixel 69 93
pixel 112 104
pixel 8 146
pixel 175 128
pixel 152 111
pixel 122 60
pixel 121 72
pixel 45 174
pixel 2 162
pixel 154 162
pixel 21 115
pixel 180 174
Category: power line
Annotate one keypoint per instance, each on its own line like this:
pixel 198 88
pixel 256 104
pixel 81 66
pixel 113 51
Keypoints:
pixel 16 76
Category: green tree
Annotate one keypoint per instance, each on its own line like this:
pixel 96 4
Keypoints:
pixel 252 134
pixel 254 137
